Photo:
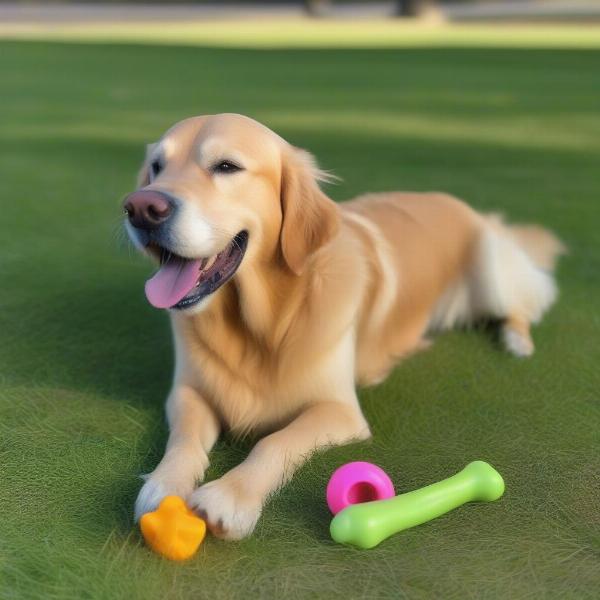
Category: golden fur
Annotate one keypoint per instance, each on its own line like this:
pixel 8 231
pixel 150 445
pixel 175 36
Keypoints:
pixel 327 296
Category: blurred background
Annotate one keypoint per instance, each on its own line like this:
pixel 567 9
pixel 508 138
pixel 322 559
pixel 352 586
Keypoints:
pixel 445 9
pixel 495 102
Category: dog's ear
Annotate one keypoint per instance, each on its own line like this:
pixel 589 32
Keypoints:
pixel 310 218
pixel 143 177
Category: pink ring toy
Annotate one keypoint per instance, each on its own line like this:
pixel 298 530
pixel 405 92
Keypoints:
pixel 357 482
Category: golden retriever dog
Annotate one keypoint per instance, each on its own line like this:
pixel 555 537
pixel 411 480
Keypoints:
pixel 281 301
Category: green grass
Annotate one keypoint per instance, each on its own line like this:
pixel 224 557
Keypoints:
pixel 86 363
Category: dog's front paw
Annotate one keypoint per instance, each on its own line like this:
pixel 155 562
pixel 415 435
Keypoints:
pixel 149 498
pixel 178 473
pixel 230 511
pixel 156 488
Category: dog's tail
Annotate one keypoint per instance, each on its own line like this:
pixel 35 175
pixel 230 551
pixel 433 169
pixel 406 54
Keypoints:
pixel 541 245
pixel 510 279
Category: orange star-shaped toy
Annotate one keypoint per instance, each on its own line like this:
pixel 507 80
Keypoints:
pixel 173 530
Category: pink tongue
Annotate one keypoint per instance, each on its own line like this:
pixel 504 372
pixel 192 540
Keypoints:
pixel 172 282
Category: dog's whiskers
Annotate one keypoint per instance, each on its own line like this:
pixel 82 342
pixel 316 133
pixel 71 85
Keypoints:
pixel 121 238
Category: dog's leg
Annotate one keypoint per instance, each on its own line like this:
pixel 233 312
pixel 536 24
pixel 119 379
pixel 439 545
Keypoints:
pixel 232 505
pixel 194 429
pixel 516 336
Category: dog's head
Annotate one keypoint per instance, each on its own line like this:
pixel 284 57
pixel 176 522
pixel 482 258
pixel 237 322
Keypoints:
pixel 218 193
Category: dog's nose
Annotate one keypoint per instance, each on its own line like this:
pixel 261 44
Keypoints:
pixel 147 209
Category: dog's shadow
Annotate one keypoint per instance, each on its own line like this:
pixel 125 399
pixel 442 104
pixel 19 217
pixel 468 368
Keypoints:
pixel 97 338
pixel 106 341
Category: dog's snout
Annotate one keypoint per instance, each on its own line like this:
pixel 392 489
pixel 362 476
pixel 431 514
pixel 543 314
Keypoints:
pixel 147 209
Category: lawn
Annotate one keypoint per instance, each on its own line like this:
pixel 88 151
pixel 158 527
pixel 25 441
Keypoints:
pixel 86 363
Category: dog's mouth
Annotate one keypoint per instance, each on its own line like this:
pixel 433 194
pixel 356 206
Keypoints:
pixel 182 282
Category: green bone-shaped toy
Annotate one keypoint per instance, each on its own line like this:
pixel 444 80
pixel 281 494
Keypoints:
pixel 366 525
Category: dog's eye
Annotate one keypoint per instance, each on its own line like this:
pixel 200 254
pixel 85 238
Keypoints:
pixel 155 168
pixel 226 167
